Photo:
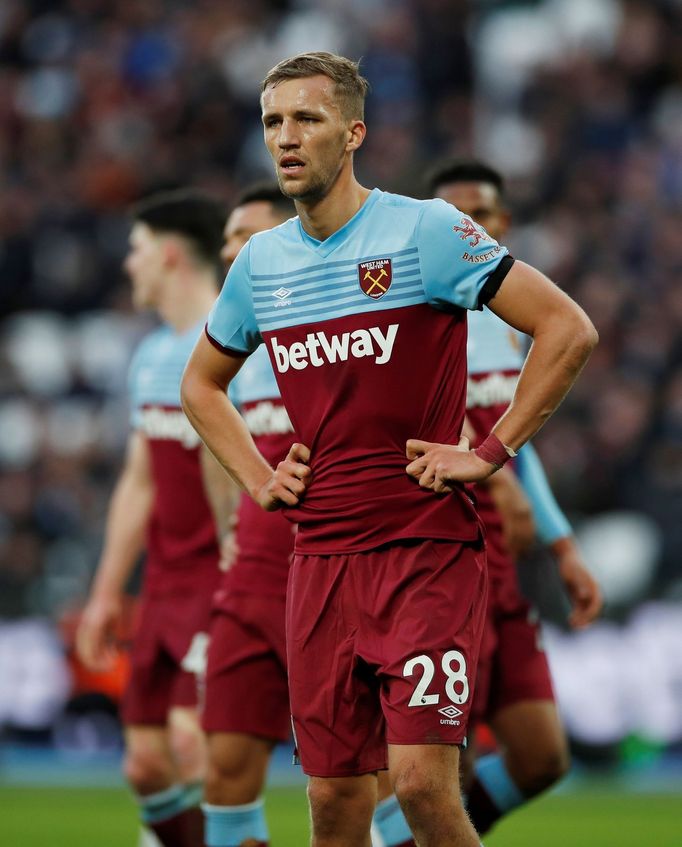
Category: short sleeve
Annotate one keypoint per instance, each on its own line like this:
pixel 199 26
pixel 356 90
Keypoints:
pixel 135 406
pixel 461 264
pixel 231 324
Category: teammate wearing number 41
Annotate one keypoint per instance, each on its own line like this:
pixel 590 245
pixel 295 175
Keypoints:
pixel 513 686
pixel 386 596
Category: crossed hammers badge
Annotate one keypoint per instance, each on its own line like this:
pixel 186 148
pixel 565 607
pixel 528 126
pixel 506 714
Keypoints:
pixel 375 277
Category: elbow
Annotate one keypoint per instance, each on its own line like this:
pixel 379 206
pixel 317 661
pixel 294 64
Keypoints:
pixel 584 337
pixel 589 337
pixel 187 392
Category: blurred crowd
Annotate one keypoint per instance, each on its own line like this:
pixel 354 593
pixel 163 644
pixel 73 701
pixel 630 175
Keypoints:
pixel 577 102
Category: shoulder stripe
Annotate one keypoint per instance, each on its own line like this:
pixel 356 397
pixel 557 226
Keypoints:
pixel 335 289
pixel 350 276
pixel 324 313
pixel 350 263
pixel 341 296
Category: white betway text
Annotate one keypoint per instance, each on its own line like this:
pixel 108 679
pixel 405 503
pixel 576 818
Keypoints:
pixel 491 390
pixel 318 349
pixel 267 419
pixel 168 425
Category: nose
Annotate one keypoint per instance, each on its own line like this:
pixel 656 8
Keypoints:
pixel 288 134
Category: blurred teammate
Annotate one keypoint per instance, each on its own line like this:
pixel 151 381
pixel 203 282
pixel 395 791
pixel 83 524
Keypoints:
pixel 246 709
pixel 360 302
pixel 517 697
pixel 159 503
pixel 513 687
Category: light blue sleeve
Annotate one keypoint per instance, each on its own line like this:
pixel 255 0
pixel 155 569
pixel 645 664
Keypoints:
pixel 457 256
pixel 134 404
pixel 232 322
pixel 550 521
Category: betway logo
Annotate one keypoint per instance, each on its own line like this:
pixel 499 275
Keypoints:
pixel 318 349
pixel 491 390
pixel 170 425
pixel 267 419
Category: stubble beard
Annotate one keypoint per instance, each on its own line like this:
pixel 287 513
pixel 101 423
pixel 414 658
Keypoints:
pixel 313 190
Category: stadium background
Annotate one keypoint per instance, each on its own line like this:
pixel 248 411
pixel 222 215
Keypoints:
pixel 578 102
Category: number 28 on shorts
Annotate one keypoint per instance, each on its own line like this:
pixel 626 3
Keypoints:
pixel 454 668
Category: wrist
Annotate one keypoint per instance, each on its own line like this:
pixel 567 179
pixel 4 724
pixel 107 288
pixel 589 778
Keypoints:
pixel 106 592
pixel 494 452
pixel 563 546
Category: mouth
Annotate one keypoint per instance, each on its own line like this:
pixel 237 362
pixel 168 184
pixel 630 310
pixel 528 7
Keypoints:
pixel 291 165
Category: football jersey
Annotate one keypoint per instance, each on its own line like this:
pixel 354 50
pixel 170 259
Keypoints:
pixel 264 539
pixel 495 356
pixel 366 332
pixel 182 551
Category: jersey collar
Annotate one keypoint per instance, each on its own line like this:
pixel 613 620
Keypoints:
pixel 326 247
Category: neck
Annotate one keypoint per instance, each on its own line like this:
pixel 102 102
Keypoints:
pixel 188 299
pixel 323 217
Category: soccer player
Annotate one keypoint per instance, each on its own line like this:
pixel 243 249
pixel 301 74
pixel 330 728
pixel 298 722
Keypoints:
pixel 160 503
pixel 513 686
pixel 246 709
pixel 361 301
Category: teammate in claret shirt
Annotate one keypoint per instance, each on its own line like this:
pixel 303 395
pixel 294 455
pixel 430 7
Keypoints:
pixel 361 303
pixel 513 687
pixel 246 709
pixel 160 504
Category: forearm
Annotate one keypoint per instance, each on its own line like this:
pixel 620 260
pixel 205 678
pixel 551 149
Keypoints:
pixel 558 354
pixel 550 521
pixel 124 539
pixel 222 492
pixel 224 432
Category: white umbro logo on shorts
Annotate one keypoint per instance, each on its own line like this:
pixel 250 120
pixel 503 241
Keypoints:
pixel 450 712
pixel 281 293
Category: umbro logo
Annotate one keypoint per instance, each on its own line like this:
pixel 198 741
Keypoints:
pixel 282 297
pixel 450 712
pixel 450 715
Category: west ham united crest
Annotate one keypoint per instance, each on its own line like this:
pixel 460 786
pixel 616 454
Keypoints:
pixel 375 277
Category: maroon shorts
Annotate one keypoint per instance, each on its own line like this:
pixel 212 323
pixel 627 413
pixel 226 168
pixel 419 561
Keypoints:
pixel 382 647
pixel 512 666
pixel 246 674
pixel 167 656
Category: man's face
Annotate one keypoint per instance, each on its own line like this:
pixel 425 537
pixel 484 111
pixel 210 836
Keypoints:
pixel 245 221
pixel 481 202
pixel 145 265
pixel 305 134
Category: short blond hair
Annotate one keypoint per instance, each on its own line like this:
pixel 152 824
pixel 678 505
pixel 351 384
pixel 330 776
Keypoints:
pixel 350 86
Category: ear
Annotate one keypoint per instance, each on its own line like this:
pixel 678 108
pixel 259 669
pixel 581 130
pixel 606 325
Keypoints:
pixel 172 253
pixel 356 135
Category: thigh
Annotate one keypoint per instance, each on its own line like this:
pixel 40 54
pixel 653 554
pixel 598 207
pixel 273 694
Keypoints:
pixel 335 708
pixel 167 658
pixel 246 679
pixel 147 696
pixel 430 635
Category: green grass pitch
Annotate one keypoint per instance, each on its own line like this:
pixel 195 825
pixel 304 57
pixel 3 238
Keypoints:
pixel 105 817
